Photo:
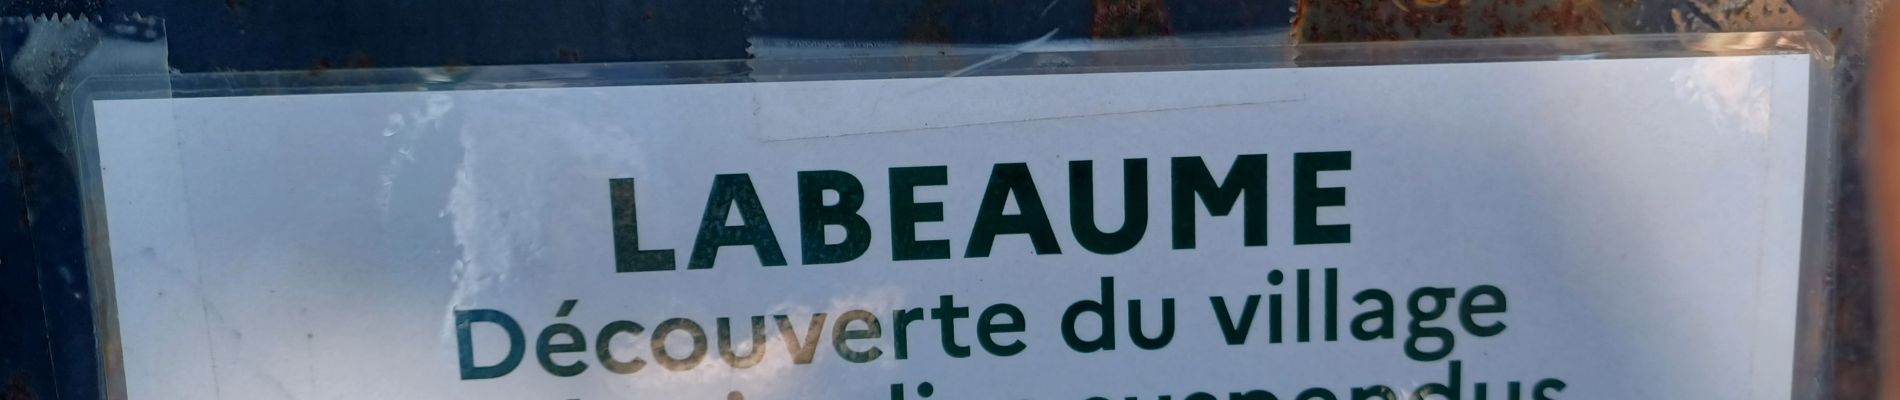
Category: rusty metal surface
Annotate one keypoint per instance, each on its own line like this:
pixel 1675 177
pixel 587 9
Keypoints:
pixel 1837 336
pixel 1116 19
pixel 1333 21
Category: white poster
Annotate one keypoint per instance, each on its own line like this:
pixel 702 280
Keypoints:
pixel 1616 229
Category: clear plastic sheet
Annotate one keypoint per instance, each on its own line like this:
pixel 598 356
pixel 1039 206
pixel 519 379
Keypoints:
pixel 367 240
pixel 1841 294
pixel 54 67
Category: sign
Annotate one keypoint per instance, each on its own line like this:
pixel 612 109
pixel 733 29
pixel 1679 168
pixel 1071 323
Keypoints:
pixel 1533 230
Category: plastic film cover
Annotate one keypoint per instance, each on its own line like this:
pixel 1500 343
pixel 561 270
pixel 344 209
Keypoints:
pixel 1601 218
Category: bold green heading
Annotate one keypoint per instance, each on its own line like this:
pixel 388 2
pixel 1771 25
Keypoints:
pixel 1191 184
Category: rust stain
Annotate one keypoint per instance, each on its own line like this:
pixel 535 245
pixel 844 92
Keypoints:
pixel 1130 19
pixel 323 65
pixel 1568 18
pixel 1323 21
pixel 360 59
pixel 454 66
